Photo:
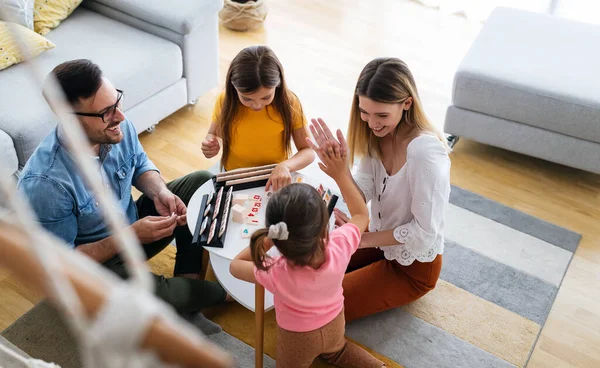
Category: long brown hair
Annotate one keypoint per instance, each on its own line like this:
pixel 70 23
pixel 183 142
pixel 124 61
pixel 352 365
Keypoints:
pixel 386 80
pixel 252 68
pixel 301 208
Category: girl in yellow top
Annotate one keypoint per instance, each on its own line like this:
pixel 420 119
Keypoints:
pixel 256 118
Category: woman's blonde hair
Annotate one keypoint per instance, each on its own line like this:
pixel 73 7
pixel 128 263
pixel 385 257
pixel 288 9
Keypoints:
pixel 386 80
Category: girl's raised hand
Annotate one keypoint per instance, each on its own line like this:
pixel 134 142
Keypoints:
pixel 331 152
pixel 324 137
pixel 332 163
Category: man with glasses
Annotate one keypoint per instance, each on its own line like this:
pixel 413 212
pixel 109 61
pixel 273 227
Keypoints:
pixel 64 205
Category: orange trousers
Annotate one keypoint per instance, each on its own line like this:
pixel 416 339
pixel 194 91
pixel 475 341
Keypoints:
pixel 373 284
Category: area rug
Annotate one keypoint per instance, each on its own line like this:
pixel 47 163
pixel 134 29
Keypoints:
pixel 41 334
pixel 501 272
pixel 8 360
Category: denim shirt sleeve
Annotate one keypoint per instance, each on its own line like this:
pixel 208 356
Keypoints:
pixel 143 163
pixel 53 206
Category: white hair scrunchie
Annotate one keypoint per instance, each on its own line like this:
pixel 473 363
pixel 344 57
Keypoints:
pixel 278 231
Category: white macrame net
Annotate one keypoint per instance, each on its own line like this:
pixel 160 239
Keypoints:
pixel 112 339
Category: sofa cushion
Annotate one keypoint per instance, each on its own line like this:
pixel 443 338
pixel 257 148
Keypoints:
pixel 18 11
pixel 48 15
pixel 534 69
pixel 8 155
pixel 10 53
pixel 136 62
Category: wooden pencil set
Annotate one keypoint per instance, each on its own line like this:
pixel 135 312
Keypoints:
pixel 246 178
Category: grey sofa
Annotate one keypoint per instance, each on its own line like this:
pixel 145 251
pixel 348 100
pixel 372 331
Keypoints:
pixel 162 54
pixel 530 84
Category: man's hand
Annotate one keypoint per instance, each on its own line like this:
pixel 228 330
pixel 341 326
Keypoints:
pixel 279 178
pixel 167 203
pixel 210 147
pixel 152 228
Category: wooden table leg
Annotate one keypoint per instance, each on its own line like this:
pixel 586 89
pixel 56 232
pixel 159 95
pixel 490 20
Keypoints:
pixel 259 315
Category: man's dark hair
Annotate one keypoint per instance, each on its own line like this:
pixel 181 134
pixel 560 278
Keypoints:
pixel 79 79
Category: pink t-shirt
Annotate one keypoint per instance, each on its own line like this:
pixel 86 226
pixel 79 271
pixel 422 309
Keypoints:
pixel 307 299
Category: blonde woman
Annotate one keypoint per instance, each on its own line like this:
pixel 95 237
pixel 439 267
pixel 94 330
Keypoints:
pixel 404 172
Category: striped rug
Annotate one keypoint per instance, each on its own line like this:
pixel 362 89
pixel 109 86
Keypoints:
pixel 501 273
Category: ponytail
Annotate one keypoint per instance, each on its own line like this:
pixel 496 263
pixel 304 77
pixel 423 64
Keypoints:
pixel 257 249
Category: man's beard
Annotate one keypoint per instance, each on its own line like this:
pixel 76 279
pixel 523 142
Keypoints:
pixel 111 140
pixel 105 137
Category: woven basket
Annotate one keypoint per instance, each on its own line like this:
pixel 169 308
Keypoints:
pixel 243 17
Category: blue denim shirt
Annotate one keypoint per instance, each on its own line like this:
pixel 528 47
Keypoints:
pixel 61 199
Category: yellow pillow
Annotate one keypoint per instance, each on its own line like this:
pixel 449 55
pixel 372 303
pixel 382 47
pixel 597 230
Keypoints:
pixel 10 53
pixel 48 14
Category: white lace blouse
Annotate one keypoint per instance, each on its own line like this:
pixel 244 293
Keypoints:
pixel 412 202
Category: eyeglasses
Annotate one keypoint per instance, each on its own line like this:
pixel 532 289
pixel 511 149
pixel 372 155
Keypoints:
pixel 108 114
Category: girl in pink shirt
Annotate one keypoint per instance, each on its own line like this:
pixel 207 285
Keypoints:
pixel 306 280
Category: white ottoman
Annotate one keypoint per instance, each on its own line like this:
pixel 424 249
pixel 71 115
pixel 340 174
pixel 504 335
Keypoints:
pixel 530 83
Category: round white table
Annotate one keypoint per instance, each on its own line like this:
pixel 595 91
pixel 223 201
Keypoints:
pixel 248 294
pixel 220 258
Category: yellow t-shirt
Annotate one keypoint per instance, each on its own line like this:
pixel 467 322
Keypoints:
pixel 257 136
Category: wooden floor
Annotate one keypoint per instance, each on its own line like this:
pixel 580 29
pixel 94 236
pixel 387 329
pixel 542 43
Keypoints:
pixel 323 45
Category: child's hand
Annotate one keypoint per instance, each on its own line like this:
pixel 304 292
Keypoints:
pixel 333 153
pixel 333 164
pixel 323 137
pixel 210 147
pixel 280 177
pixel 340 217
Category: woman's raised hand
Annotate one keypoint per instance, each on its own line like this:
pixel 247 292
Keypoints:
pixel 331 151
pixel 324 138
